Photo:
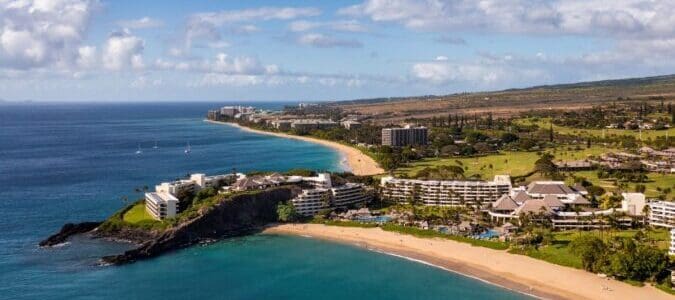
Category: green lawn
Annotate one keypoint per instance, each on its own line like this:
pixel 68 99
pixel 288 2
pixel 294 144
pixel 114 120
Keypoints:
pixel 559 252
pixel 655 180
pixel 512 163
pixel 508 163
pixel 544 123
pixel 137 214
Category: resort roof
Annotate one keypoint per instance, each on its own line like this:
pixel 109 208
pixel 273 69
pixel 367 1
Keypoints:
pixel 552 201
pixel 521 197
pixel 555 188
pixel 580 188
pixel 245 183
pixel 534 206
pixel 580 200
pixel 505 203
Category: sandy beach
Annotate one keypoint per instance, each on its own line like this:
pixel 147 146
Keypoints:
pixel 357 162
pixel 516 272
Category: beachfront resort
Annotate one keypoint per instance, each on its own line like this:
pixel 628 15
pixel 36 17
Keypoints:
pixel 543 180
pixel 317 193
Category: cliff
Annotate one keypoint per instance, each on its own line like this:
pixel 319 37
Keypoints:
pixel 233 216
pixel 67 231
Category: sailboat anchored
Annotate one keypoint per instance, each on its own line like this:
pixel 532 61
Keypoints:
pixel 155 146
pixel 188 149
pixel 139 151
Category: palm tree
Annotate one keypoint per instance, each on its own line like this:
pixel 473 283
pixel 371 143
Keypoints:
pixel 646 210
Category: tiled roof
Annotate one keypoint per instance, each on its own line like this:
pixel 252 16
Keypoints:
pixel 534 206
pixel 548 188
pixel 521 197
pixel 552 201
pixel 505 203
pixel 580 200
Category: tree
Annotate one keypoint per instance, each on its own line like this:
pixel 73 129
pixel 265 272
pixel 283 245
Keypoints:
pixel 545 165
pixel 286 212
pixel 591 249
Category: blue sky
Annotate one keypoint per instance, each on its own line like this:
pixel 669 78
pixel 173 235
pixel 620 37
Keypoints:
pixel 89 50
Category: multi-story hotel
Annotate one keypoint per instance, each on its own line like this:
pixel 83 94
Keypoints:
pixel 445 192
pixel 407 136
pixel 312 201
pixel 307 125
pixel 161 205
pixel 324 195
pixel 349 194
pixel 662 214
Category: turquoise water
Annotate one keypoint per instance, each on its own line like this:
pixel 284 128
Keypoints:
pixel 72 163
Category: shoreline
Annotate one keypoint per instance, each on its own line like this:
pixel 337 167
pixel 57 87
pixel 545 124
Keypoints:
pixel 518 273
pixel 356 161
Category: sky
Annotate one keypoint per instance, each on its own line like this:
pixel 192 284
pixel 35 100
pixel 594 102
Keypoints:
pixel 117 51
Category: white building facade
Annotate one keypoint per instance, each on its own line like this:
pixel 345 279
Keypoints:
pixel 161 205
pixel 445 192
pixel 662 214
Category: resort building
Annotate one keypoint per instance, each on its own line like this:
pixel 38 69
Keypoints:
pixel 307 125
pixel 283 125
pixel 161 205
pixel 552 208
pixel 349 194
pixel 406 136
pixel 671 249
pixel 177 187
pixel 445 192
pixel 662 214
pixel 557 189
pixel 312 201
pixel 350 124
pixel 323 195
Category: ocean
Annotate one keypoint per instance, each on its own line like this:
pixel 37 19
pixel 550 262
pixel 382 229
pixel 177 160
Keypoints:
pixel 64 163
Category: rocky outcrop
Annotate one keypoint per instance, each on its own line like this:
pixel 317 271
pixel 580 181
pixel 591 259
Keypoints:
pixel 67 231
pixel 239 215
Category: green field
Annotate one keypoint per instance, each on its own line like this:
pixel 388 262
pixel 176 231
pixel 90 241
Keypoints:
pixel 137 214
pixel 544 123
pixel 655 180
pixel 559 251
pixel 505 163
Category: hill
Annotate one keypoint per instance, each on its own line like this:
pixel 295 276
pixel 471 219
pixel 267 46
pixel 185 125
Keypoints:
pixel 512 101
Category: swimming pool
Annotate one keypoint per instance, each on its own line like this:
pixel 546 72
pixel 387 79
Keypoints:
pixel 373 219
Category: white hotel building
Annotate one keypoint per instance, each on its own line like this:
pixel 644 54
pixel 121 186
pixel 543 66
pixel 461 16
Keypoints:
pixel 662 214
pixel 161 205
pixel 445 192
pixel 312 201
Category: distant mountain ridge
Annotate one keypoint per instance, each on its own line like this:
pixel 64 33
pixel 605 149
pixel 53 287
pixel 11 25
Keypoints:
pixel 623 83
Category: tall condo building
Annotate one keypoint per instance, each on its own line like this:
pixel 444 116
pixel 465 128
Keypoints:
pixel 406 136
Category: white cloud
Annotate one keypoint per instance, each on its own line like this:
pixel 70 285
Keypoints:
pixel 256 14
pixel 441 58
pixel 143 82
pixel 592 17
pixel 216 79
pixel 344 26
pixel 325 41
pixel 492 75
pixel 123 50
pixel 35 34
pixel 87 57
pixel 142 23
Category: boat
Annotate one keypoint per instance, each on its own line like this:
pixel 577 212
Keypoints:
pixel 139 151
pixel 155 146
pixel 188 149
